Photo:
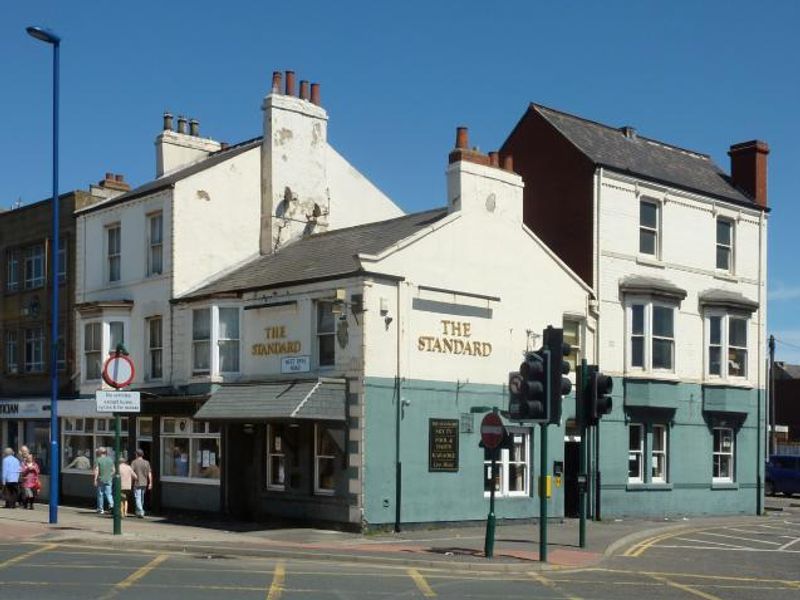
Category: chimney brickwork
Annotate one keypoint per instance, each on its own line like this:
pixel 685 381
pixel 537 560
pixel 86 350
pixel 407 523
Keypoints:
pixel 749 169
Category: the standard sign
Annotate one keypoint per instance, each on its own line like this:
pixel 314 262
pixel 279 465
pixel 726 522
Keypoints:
pixel 118 402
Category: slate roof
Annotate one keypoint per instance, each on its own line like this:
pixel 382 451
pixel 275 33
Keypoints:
pixel 167 181
pixel 322 399
pixel 727 299
pixel 786 371
pixel 610 147
pixel 642 284
pixel 321 255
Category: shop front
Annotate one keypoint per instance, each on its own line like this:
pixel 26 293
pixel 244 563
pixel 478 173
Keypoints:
pixel 26 422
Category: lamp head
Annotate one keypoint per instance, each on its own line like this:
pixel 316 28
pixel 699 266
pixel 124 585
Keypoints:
pixel 45 35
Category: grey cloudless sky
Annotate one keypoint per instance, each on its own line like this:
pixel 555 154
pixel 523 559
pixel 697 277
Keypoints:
pixel 397 78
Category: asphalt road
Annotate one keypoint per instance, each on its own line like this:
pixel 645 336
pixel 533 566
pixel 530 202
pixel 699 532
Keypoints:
pixel 754 560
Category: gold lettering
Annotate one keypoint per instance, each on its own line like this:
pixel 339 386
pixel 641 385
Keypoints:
pixel 447 344
pixel 467 327
pixel 487 348
pixel 437 344
pixel 458 347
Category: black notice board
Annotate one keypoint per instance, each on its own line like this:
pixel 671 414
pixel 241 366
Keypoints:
pixel 443 445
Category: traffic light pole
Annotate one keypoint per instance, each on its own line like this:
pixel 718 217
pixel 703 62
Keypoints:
pixel 582 380
pixel 597 472
pixel 543 496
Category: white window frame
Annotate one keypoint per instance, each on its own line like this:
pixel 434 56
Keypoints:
pixel 730 246
pixel 320 491
pixel 62 261
pixel 214 341
pixel 33 266
pixel 731 454
pixel 85 351
pixel 37 362
pixel 193 437
pixel 155 349
pixel 724 345
pixel 12 351
pixel 202 341
pixel 105 339
pixel 113 253
pixel 155 244
pixel 219 340
pixel 637 452
pixel 655 428
pixel 575 355
pixel 655 230
pixel 100 428
pixel 504 461
pixel 12 271
pixel 320 304
pixel 648 335
pixel 280 453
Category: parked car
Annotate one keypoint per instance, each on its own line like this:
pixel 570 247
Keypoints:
pixel 783 475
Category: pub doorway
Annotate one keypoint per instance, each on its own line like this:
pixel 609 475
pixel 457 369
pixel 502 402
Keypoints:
pixel 571 466
pixel 241 462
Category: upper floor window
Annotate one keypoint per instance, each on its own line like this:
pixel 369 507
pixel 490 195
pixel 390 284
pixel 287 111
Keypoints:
pixel 155 244
pixel 228 342
pixel 724 244
pixel 652 336
pixel 201 340
pixel 727 345
pixel 572 336
pixel 61 350
pixel 11 352
pixel 62 261
pixel 215 340
pixel 155 348
pixel 34 350
pixel 649 226
pixel 34 266
pixel 113 251
pixel 326 335
pixel 93 349
pixel 12 272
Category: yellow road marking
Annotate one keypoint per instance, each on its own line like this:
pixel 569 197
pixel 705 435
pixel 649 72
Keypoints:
pixel 550 584
pixel 639 548
pixel 135 576
pixel 27 555
pixel 422 585
pixel 278 577
pixel 685 588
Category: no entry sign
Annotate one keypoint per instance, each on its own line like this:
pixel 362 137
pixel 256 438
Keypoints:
pixel 118 371
pixel 492 430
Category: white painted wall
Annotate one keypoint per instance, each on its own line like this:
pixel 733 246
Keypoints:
pixel 177 150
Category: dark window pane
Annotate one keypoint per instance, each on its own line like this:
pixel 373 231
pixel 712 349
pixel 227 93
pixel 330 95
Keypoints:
pixel 637 352
pixel 737 362
pixel 715 330
pixel 737 332
pixel 327 353
pixel 647 241
pixel 724 232
pixel 715 360
pixel 663 321
pixel 723 258
pixel 648 215
pixel 662 354
pixel 637 311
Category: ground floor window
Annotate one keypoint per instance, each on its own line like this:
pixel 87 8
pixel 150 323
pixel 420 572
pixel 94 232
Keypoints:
pixel 658 454
pixel 81 438
pixel 723 454
pixel 328 447
pixel 190 450
pixel 635 453
pixel 276 457
pixel 648 451
pixel 512 475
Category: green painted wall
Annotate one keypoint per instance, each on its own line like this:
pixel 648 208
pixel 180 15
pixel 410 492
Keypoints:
pixel 432 497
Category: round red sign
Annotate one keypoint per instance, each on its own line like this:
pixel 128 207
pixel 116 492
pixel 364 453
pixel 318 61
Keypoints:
pixel 492 430
pixel 118 371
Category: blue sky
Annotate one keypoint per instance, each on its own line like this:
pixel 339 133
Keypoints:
pixel 397 78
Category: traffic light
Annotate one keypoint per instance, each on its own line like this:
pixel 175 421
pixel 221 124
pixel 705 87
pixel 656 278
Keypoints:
pixel 528 390
pixel 598 398
pixel 560 385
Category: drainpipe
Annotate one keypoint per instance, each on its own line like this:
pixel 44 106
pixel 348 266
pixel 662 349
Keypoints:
pixel 761 396
pixel 398 470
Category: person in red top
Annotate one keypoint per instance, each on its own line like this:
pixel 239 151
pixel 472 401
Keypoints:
pixel 29 481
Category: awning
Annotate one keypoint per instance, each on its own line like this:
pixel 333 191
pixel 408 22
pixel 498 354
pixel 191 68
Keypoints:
pixel 318 399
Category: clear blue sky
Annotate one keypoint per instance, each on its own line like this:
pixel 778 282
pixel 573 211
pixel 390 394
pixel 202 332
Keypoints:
pixel 397 78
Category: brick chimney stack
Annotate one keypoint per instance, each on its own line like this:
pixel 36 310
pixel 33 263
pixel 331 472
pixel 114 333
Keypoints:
pixel 749 169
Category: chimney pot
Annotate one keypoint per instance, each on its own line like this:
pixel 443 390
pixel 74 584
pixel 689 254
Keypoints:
pixel 167 121
pixel 194 127
pixel 276 82
pixel 303 89
pixel 181 124
pixel 508 163
pixel 462 138
pixel 224 145
pixel 494 159
pixel 290 83
pixel 109 176
pixel 119 177
pixel 629 132
pixel 749 169
pixel 315 94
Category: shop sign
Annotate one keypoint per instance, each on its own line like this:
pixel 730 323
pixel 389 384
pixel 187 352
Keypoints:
pixel 276 343
pixel 443 445
pixel 296 364
pixel 24 410
pixel 455 338
pixel 118 402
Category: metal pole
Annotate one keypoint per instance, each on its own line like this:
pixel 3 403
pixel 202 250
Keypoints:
pixel 579 408
pixel 54 451
pixel 773 438
pixel 488 545
pixel 398 473
pixel 117 478
pixel 759 458
pixel 543 496
pixel 597 473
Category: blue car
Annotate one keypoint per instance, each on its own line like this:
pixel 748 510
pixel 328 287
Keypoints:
pixel 783 475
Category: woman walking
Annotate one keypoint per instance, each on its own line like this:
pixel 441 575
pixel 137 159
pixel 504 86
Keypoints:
pixel 127 477
pixel 29 476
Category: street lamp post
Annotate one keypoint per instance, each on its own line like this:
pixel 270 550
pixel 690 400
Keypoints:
pixel 45 35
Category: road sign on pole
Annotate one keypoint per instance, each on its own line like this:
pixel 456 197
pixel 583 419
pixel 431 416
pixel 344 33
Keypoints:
pixel 116 401
pixel 118 371
pixel 492 435
pixel 492 430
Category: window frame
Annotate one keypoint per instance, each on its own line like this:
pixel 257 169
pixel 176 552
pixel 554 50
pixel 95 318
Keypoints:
pixel 199 341
pixel 725 317
pixel 320 306
pixel 730 246
pixel 214 341
pixel 89 427
pixel 113 254
pixel 656 231
pixel 193 438
pixel 664 452
pixel 106 348
pixel 35 261
pixel 504 462
pixel 153 244
pixel 731 478
pixel 94 350
pixel 34 366
pixel 319 490
pixel 648 335
pixel 63 264
pixel 11 351
pixel 12 271
pixel 640 451
pixel 576 352
pixel 219 341
pixel 278 452
pixel 155 349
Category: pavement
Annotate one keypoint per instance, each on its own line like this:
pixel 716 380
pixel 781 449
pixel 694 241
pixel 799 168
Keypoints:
pixel 458 548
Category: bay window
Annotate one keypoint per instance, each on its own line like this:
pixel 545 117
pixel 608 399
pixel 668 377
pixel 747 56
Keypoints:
pixel 228 342
pixel 651 341
pixel 216 343
pixel 512 475
pixel 726 343
pixel 201 340
pixel 100 338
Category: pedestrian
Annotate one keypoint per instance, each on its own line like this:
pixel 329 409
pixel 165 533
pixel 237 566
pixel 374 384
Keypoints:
pixel 30 481
pixel 103 475
pixel 126 478
pixel 144 480
pixel 10 478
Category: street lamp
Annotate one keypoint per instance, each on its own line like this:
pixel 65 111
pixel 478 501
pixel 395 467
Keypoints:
pixel 45 35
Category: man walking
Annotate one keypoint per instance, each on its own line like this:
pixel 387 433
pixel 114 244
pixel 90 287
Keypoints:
pixel 10 478
pixel 103 475
pixel 144 480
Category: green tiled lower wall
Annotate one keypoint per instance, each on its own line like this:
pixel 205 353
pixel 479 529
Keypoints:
pixel 437 497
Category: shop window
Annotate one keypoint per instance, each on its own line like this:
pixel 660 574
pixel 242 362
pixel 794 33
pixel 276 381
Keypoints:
pixel 114 252
pixel 92 350
pixel 81 437
pixel 12 361
pixel 228 342
pixel 635 453
pixel 328 444
pixel 201 340
pixel 326 335
pixel 658 454
pixel 724 244
pixel 727 345
pixel 649 227
pixel 723 455
pixel 144 436
pixel 190 450
pixel 155 348
pixel 34 350
pixel 155 244
pixel 34 266
pixel 12 272
pixel 651 344
pixel 512 475
pixel 276 457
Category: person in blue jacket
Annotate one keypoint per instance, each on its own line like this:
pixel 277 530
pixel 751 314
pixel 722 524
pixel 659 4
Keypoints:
pixel 10 478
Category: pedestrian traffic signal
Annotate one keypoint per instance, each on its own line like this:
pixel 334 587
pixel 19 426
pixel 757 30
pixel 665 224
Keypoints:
pixel 599 396
pixel 560 385
pixel 528 390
